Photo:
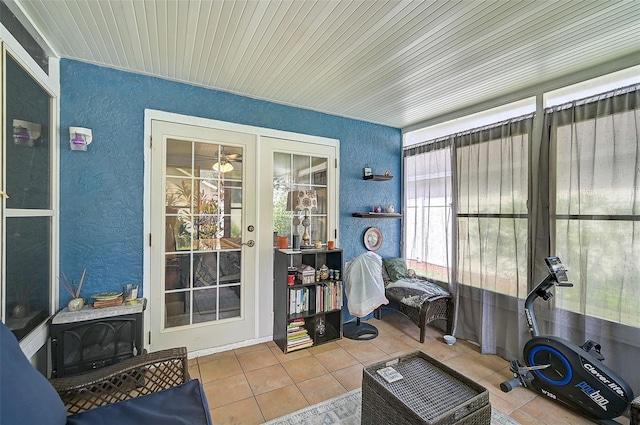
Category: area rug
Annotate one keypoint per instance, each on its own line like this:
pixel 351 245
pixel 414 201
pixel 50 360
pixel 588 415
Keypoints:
pixel 345 410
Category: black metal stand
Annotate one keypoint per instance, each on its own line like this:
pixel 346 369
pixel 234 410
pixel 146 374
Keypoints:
pixel 360 331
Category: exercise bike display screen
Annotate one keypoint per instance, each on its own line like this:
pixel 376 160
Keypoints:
pixel 557 268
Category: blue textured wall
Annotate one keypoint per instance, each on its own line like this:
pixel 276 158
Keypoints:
pixel 101 190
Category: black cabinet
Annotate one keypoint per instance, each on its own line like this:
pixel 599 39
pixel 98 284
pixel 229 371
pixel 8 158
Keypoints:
pixel 307 312
pixel 94 338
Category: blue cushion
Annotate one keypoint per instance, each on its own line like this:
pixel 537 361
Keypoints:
pixel 185 404
pixel 26 396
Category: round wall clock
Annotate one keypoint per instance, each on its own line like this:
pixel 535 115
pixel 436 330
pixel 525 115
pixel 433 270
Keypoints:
pixel 372 238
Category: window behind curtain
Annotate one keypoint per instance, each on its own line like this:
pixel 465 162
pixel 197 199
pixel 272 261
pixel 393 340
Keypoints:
pixel 428 210
pixel 597 204
pixel 492 193
pixel 491 171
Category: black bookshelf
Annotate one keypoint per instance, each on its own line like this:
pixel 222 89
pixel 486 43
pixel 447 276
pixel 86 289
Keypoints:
pixel 322 304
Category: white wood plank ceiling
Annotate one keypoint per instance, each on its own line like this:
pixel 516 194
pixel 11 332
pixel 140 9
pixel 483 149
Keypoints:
pixel 390 62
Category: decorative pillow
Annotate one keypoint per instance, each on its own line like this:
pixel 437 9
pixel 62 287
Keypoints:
pixel 396 268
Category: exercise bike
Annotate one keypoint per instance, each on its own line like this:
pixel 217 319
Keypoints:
pixel 572 375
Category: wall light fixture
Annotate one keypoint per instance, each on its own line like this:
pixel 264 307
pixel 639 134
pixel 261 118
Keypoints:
pixel 79 138
pixel 26 133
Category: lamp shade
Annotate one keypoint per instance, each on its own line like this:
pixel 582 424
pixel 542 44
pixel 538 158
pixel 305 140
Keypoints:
pixel 302 200
pixel 223 166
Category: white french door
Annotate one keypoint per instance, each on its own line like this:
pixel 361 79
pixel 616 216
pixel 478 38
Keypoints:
pixel 290 165
pixel 203 210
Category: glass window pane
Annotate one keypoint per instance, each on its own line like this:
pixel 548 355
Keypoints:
pixel 205 305
pixel 28 295
pixel 318 229
pixel 229 301
pixel 28 156
pixel 319 171
pixel 177 271
pixel 301 169
pixel 493 176
pixel 594 176
pixel 230 267
pixel 502 267
pixel 205 269
pixel 179 161
pixel 177 309
pixel 609 280
pixel 428 213
pixel 321 194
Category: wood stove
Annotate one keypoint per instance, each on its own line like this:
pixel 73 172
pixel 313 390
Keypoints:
pixel 93 338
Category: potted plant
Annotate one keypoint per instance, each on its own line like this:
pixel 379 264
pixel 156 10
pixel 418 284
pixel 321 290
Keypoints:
pixel 76 302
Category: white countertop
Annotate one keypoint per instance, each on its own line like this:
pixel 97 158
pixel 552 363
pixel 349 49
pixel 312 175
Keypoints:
pixel 90 313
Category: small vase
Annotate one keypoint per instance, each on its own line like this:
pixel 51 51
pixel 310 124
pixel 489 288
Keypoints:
pixel 76 304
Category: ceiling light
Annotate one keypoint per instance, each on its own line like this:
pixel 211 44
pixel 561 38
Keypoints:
pixel 223 166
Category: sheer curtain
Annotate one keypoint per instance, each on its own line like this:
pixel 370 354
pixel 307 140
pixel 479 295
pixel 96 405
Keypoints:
pixel 592 157
pixel 492 171
pixel 474 237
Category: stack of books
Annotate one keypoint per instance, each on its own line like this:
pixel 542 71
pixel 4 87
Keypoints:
pixel 297 335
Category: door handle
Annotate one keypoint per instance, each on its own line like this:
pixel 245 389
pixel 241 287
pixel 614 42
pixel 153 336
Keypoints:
pixel 250 243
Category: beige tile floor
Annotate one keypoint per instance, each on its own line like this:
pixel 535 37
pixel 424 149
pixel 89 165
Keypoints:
pixel 254 384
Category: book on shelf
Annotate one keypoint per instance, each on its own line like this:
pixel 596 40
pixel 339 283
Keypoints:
pixel 298 347
pixel 298 300
pixel 329 296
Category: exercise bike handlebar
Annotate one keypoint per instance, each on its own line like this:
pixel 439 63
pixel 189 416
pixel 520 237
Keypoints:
pixel 557 277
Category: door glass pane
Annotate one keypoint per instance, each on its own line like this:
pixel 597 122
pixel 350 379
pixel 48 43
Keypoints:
pixel 28 148
pixel 299 173
pixel 28 273
pixel 179 158
pixel 301 170
pixel 178 309
pixel 203 225
pixel 230 301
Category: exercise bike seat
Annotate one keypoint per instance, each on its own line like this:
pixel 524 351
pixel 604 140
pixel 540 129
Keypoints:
pixel 590 345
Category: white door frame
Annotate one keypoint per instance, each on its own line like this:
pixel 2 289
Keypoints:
pixel 264 289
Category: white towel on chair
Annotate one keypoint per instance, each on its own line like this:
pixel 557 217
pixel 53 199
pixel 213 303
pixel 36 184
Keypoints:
pixel 363 284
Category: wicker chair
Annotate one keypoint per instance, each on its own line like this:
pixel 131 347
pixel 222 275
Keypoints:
pixel 635 412
pixel 150 388
pixel 131 378
pixel 422 307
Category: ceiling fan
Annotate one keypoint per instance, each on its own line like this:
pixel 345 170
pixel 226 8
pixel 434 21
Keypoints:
pixel 223 163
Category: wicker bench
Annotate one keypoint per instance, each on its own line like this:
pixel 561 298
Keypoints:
pixel 419 299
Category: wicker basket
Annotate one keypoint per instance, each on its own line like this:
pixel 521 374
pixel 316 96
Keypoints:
pixel 429 393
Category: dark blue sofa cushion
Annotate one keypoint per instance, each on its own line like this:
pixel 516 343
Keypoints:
pixel 26 396
pixel 185 404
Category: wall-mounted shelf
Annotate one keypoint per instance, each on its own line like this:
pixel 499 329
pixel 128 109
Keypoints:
pixel 376 215
pixel 377 177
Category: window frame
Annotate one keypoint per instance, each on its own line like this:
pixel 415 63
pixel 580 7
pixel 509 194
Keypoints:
pixel 50 83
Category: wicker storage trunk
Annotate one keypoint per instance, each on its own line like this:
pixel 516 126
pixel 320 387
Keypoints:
pixel 429 393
